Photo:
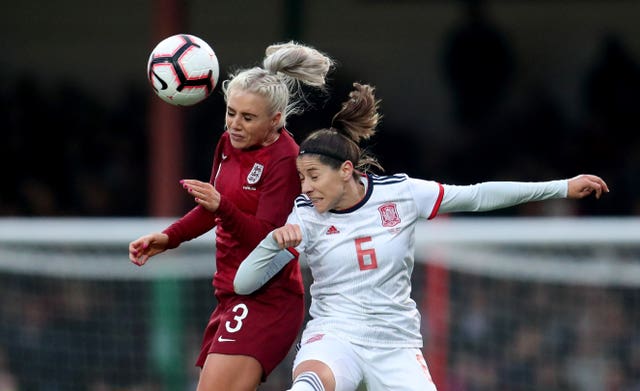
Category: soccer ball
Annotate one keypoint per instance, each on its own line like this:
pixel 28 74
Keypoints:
pixel 183 70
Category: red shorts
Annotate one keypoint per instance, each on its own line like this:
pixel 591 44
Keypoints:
pixel 263 325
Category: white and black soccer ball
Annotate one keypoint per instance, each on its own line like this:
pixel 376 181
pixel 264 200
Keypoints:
pixel 183 70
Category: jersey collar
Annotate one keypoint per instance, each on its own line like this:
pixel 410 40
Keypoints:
pixel 368 185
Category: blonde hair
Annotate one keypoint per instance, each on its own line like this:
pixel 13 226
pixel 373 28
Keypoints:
pixel 286 67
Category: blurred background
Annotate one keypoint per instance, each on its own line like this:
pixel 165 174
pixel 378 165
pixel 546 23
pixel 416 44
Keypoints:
pixel 471 91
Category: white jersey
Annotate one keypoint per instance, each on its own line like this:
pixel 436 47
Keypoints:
pixel 362 258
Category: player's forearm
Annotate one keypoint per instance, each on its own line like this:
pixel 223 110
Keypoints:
pixel 195 223
pixel 265 261
pixel 496 195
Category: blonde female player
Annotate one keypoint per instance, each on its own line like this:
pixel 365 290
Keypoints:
pixel 357 232
pixel 253 182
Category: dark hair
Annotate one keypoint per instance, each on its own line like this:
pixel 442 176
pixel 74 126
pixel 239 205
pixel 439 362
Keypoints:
pixel 356 121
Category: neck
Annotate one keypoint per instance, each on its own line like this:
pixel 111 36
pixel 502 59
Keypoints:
pixel 354 193
pixel 271 138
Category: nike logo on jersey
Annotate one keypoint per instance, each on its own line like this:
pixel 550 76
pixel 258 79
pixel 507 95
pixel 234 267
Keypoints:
pixel 224 156
pixel 332 230
pixel 220 339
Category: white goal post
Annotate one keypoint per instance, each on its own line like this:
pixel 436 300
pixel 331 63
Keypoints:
pixel 491 290
pixel 574 250
pixel 483 245
pixel 96 248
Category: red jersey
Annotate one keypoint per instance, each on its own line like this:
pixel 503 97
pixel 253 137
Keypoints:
pixel 257 188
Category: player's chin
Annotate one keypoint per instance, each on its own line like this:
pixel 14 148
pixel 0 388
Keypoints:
pixel 238 141
pixel 320 206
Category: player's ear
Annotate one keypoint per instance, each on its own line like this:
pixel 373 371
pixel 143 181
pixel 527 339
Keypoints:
pixel 275 120
pixel 346 170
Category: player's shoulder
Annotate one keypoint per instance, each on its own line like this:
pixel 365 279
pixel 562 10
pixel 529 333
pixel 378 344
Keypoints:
pixel 282 153
pixel 386 180
pixel 286 144
pixel 303 202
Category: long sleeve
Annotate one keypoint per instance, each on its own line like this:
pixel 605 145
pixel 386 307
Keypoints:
pixel 263 262
pixel 198 220
pixel 495 195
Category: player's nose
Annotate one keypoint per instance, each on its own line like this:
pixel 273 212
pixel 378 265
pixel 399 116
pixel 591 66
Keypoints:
pixel 232 123
pixel 306 187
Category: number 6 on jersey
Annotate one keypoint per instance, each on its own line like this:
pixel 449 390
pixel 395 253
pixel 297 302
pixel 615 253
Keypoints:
pixel 366 256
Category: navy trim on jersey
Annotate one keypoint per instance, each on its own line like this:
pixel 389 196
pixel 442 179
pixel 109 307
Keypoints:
pixel 303 201
pixel 388 179
pixel 363 201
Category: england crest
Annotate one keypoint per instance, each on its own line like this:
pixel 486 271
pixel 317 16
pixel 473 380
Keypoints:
pixel 255 174
pixel 389 215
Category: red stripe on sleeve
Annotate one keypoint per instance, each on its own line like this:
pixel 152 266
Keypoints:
pixel 434 211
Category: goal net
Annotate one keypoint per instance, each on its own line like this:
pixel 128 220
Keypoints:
pixel 507 304
pixel 531 303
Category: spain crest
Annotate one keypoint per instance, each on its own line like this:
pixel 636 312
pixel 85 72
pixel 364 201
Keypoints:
pixel 389 215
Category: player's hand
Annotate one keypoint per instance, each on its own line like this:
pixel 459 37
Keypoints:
pixel 203 193
pixel 583 185
pixel 143 248
pixel 288 235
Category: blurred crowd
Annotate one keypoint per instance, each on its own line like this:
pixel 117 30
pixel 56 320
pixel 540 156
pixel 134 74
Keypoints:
pixel 505 335
pixel 518 336
pixel 59 335
pixel 66 152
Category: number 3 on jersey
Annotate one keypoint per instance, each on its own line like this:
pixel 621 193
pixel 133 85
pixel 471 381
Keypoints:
pixel 366 256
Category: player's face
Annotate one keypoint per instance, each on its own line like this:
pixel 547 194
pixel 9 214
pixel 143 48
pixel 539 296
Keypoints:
pixel 325 186
pixel 248 121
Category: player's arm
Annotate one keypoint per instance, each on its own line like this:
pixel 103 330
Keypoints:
pixel 281 186
pixel 196 222
pixel 199 220
pixel 267 259
pixel 496 195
